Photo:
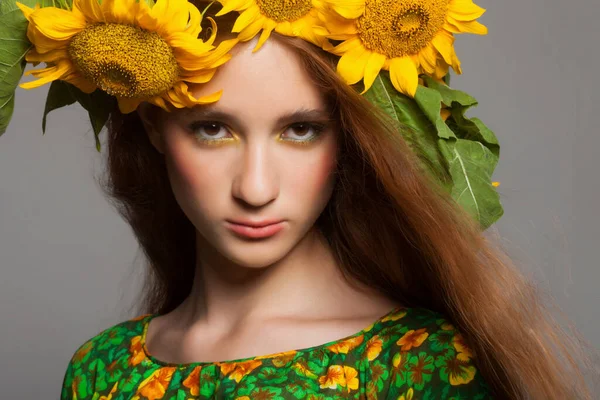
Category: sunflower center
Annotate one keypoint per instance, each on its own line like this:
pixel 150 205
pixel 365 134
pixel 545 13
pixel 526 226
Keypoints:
pixel 284 10
pixel 401 28
pixel 124 60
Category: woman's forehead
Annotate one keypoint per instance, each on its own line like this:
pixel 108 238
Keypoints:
pixel 270 81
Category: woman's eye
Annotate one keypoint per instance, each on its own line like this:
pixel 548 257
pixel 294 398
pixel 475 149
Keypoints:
pixel 209 131
pixel 304 132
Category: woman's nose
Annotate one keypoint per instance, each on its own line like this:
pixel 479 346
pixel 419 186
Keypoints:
pixel 257 180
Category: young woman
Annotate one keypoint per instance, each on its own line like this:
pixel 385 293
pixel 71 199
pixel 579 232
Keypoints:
pixel 297 250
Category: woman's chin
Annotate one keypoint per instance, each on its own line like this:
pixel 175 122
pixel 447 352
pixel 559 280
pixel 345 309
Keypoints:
pixel 258 255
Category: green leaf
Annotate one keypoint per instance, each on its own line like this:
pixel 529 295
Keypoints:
pixel 59 96
pixel 471 167
pixel 449 95
pixel 14 45
pixel 430 101
pixel 473 129
pixel 416 128
pixel 464 128
pixel 98 104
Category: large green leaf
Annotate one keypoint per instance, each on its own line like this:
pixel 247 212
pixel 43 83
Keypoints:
pixel 58 97
pixel 463 127
pixel 98 104
pixel 417 129
pixel 471 167
pixel 473 129
pixel 430 102
pixel 462 152
pixel 13 47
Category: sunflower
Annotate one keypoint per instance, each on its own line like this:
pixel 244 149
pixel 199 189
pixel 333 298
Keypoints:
pixel 297 18
pixel 407 38
pixel 126 48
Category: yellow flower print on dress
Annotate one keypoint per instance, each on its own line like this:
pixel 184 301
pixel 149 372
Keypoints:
pixel 406 37
pixel 155 386
pixel 110 394
pixel 374 346
pixel 351 378
pixel 335 376
pixel 412 338
pixel 136 351
pixel 126 48
pixel 192 382
pixel 463 350
pixel 302 369
pixel 237 370
pixel 345 346
pixel 394 316
pixel 408 396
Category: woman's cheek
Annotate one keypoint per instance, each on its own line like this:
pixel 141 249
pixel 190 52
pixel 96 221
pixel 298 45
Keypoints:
pixel 316 179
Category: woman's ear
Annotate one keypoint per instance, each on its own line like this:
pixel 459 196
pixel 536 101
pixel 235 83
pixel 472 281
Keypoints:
pixel 148 115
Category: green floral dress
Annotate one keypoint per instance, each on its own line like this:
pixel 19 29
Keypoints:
pixel 410 353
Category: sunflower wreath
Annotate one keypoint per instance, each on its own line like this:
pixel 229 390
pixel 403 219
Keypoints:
pixel 109 54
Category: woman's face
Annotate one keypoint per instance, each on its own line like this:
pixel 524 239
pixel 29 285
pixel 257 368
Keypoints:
pixel 265 151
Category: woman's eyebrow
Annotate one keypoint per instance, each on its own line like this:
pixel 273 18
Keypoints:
pixel 300 115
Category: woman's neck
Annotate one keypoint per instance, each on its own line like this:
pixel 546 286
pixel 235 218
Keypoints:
pixel 306 283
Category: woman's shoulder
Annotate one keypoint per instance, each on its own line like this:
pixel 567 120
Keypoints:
pixel 112 349
pixel 107 340
pixel 420 350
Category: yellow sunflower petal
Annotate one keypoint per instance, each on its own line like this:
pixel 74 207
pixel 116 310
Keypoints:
pixel 91 10
pixel 455 63
pixel 55 23
pixel 468 26
pixel 45 75
pixel 219 56
pixel 127 106
pixel 201 76
pixel 246 18
pixel 428 59
pixel 441 69
pixel 347 46
pixel 193 57
pixel 180 96
pixel 159 101
pixel 374 65
pixel 80 82
pixel 52 56
pixel 349 9
pixel 340 29
pixel 264 35
pixel 404 75
pixel 121 11
pixel 186 48
pixel 231 5
pixel 251 30
pixel 351 65
pixel 166 17
pixel 308 28
pixel 194 28
pixel 25 10
pixel 443 43
pixel 465 10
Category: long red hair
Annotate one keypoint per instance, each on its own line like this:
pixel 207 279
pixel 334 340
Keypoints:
pixel 389 226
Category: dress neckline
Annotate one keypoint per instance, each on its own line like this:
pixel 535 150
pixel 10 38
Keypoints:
pixel 324 346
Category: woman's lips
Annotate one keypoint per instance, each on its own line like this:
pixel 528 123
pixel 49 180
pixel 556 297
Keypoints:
pixel 255 232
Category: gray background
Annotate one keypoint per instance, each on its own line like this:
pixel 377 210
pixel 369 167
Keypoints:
pixel 71 267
